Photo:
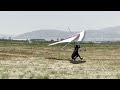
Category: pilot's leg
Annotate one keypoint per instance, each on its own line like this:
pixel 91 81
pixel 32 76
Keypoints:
pixel 80 57
pixel 75 57
pixel 72 56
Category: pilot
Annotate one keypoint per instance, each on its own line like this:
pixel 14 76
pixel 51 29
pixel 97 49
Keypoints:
pixel 75 53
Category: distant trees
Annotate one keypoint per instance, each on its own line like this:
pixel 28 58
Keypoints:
pixel 57 39
pixel 10 38
pixel 37 40
pixel 52 40
pixel 62 39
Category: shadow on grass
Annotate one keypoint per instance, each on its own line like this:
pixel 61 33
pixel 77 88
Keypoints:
pixel 53 58
pixel 74 62
pixel 77 62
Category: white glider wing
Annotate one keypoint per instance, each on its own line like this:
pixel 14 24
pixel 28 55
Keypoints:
pixel 82 34
pixel 74 38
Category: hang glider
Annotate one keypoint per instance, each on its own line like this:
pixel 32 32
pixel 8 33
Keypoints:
pixel 74 38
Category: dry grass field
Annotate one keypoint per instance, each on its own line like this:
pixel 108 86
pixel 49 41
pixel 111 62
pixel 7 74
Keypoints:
pixel 38 61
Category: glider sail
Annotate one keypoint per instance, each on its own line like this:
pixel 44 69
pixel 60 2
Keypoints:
pixel 75 38
pixel 82 34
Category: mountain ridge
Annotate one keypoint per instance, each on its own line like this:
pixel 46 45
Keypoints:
pixel 105 34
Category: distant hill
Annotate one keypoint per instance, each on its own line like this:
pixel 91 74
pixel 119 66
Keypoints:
pixel 2 36
pixel 45 34
pixel 106 34
pixel 5 36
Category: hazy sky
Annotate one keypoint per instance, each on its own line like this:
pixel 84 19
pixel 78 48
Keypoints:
pixel 18 22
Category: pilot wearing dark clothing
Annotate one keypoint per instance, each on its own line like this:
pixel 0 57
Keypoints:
pixel 75 53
